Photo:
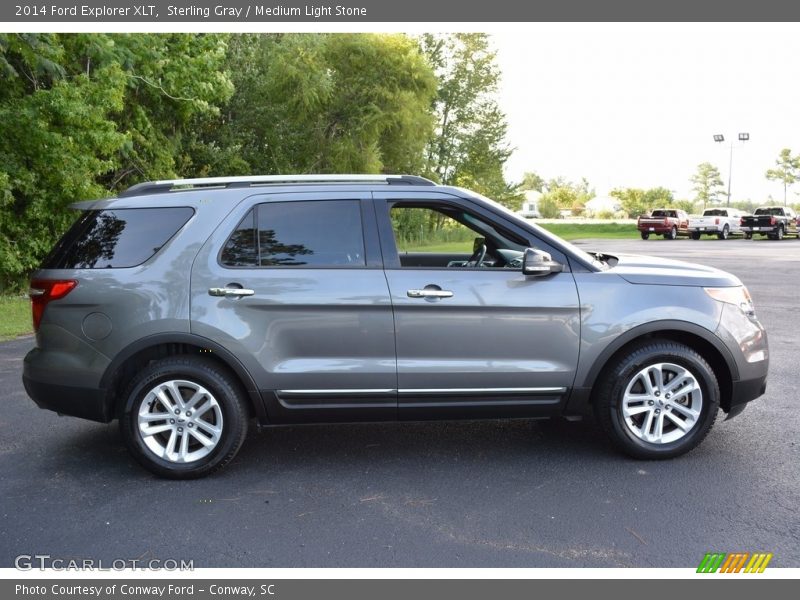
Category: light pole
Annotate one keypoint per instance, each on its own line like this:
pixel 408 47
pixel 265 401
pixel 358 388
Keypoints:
pixel 718 137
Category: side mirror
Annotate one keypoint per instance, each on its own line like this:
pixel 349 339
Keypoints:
pixel 538 263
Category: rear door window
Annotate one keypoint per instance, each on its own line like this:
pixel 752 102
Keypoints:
pixel 115 239
pixel 314 233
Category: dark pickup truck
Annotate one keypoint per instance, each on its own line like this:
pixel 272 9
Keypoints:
pixel 773 221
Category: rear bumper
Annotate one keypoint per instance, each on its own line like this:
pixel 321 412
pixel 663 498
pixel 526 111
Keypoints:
pixel 660 229
pixel 86 403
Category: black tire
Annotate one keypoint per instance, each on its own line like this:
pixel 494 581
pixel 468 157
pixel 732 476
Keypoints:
pixel 673 233
pixel 645 235
pixel 695 235
pixel 608 398
pixel 198 371
pixel 725 234
pixel 779 233
pixel 748 235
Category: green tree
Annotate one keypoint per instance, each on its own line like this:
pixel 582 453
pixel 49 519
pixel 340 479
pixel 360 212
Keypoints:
pixel 706 184
pixel 786 171
pixel 636 201
pixel 85 114
pixel 532 181
pixel 549 206
pixel 468 147
pixel 353 103
pixel 566 195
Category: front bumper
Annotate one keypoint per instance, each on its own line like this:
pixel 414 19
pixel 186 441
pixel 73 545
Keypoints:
pixel 743 392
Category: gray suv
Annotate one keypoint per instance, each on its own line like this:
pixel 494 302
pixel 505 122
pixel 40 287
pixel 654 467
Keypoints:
pixel 188 308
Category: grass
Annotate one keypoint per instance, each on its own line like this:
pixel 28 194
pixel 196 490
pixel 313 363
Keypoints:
pixel 15 317
pixel 576 231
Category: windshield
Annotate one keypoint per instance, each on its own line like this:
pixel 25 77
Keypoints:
pixel 549 237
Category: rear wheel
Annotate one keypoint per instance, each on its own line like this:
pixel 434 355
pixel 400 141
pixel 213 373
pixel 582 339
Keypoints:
pixel 184 417
pixel 645 235
pixel 779 233
pixel 658 401
pixel 673 233
pixel 725 233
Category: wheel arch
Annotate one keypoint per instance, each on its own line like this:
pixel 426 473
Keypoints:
pixel 141 352
pixel 701 340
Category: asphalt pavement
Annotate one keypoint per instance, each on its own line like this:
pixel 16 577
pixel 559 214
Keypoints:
pixel 456 494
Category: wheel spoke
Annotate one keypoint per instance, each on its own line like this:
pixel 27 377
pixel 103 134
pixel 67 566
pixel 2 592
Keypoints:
pixel 659 428
pixel 212 430
pixel 683 425
pixel 184 452
pixel 165 400
pixel 196 397
pixel 632 411
pixel 154 429
pixel 175 392
pixel 686 410
pixel 647 425
pixel 204 408
pixel 150 417
pixel 658 377
pixel 169 449
pixel 203 439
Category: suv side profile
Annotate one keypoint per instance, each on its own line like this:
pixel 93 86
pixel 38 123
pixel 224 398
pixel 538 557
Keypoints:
pixel 188 308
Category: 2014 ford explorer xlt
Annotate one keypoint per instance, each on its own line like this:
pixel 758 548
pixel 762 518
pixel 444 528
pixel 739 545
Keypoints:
pixel 187 308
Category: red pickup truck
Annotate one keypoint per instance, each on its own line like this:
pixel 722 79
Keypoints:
pixel 668 222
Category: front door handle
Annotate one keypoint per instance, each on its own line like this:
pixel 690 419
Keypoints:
pixel 429 293
pixel 228 292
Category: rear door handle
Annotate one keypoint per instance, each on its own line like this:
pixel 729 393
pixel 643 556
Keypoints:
pixel 230 292
pixel 428 293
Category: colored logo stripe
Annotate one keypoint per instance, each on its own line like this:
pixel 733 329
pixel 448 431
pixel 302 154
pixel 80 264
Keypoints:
pixel 734 562
pixel 758 563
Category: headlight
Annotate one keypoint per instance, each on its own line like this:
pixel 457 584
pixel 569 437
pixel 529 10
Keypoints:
pixel 738 296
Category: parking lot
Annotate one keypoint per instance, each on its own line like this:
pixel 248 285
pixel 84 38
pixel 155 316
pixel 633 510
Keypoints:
pixel 464 494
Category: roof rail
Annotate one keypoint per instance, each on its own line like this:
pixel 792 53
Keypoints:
pixel 154 187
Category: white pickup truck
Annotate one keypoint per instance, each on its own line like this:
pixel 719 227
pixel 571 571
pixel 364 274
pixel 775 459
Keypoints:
pixel 722 222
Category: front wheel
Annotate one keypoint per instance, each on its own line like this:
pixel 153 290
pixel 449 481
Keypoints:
pixel 645 235
pixel 658 401
pixel 695 235
pixel 748 235
pixel 184 417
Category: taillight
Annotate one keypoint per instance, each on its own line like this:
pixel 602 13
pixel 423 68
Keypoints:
pixel 666 221
pixel 716 221
pixel 772 220
pixel 43 291
pixel 741 221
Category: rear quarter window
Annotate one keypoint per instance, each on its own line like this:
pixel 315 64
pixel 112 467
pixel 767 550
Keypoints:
pixel 115 239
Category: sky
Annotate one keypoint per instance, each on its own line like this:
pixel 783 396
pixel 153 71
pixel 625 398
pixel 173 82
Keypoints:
pixel 637 105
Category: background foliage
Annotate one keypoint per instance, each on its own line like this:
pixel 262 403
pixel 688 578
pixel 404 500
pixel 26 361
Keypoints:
pixel 83 116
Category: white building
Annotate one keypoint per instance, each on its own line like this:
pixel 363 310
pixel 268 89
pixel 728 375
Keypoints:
pixel 602 204
pixel 530 206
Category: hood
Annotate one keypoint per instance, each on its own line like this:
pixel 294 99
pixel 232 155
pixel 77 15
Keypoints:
pixel 650 270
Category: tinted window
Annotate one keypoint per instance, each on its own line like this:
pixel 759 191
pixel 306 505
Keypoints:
pixel 113 239
pixel 323 233
pixel 241 249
